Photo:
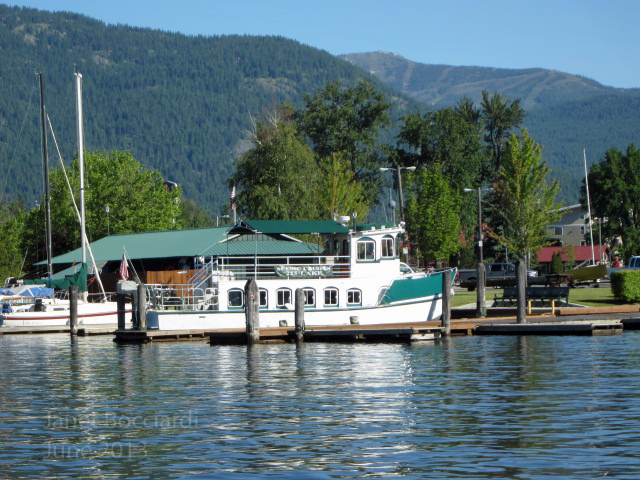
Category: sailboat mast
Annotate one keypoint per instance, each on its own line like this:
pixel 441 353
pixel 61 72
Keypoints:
pixel 47 192
pixel 83 233
pixel 586 183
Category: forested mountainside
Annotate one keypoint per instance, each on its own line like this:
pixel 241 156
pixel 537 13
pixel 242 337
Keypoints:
pixel 565 113
pixel 181 104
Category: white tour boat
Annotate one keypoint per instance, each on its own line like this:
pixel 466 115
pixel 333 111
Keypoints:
pixel 354 277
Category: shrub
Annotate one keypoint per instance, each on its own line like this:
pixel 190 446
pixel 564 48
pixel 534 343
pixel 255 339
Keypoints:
pixel 625 285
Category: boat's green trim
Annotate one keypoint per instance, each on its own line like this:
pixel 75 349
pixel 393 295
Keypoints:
pixel 411 288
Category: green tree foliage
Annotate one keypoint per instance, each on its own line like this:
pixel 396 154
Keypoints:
pixel 339 192
pixel 614 189
pixel 433 222
pixel 499 118
pixel 193 215
pixel 138 200
pixel 12 218
pixel 277 179
pixel 348 120
pixel 556 263
pixel 523 199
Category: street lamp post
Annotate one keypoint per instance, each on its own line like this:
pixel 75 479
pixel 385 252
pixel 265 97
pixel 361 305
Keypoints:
pixel 479 190
pixel 398 169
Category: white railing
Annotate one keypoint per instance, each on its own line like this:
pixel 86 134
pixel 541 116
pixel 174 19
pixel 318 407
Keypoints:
pixel 181 297
pixel 244 268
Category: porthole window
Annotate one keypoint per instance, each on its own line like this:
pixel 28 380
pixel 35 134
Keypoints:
pixel 236 298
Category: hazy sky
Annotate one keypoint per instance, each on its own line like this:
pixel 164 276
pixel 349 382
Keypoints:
pixel 599 39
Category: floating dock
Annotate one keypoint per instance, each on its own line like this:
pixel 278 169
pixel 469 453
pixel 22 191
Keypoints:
pixel 83 330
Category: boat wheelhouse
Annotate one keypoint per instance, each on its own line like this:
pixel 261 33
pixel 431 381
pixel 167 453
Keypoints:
pixel 351 274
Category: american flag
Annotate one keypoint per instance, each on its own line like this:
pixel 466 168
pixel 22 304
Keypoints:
pixel 233 198
pixel 124 269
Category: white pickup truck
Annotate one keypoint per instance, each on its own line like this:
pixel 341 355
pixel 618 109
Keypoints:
pixel 634 264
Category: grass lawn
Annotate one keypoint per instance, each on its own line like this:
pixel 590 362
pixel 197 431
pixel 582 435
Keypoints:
pixel 587 296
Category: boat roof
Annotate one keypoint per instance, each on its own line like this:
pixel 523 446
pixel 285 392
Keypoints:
pixel 290 226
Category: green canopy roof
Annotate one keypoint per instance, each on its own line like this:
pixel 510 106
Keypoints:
pixel 214 241
pixel 292 226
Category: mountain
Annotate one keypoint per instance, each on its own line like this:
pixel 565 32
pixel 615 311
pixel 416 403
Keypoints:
pixel 565 113
pixel 181 104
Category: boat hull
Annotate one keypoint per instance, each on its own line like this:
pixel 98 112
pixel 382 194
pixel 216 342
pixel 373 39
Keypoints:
pixel 88 314
pixel 424 309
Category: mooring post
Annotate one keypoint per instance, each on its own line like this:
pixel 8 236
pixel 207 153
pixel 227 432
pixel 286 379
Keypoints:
pixel 521 289
pixel 446 302
pixel 251 311
pixel 73 310
pixel 142 306
pixel 122 308
pixel 299 320
pixel 481 306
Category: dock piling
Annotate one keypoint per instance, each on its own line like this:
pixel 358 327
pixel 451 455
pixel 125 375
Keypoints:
pixel 521 288
pixel 142 306
pixel 446 302
pixel 299 318
pixel 73 310
pixel 481 305
pixel 251 311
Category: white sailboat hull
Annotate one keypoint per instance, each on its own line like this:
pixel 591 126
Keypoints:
pixel 58 315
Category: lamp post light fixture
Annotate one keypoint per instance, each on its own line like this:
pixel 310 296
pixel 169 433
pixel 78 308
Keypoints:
pixel 106 210
pixel 398 169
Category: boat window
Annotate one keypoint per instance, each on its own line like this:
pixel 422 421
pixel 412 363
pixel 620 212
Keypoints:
pixel 284 297
pixel 387 247
pixel 309 296
pixel 366 250
pixel 263 298
pixel 331 296
pixel 236 298
pixel 354 297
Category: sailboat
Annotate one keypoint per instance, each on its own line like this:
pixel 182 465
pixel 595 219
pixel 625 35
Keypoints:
pixel 55 312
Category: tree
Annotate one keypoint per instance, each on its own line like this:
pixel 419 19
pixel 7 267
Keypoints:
pixel 138 199
pixel 339 192
pixel 348 120
pixel 522 199
pixel 12 217
pixel 277 179
pixel 614 190
pixel 499 118
pixel 433 221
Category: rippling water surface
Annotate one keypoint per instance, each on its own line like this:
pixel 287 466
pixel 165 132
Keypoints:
pixel 469 407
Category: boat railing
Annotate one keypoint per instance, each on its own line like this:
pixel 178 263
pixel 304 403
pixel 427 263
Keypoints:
pixel 181 297
pixel 262 268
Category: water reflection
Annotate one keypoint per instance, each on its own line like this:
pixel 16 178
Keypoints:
pixel 468 407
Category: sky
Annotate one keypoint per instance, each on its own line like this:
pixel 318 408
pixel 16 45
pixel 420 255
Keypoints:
pixel 598 39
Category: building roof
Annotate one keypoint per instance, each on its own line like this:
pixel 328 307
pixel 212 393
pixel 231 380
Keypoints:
pixel 184 243
pixel 582 253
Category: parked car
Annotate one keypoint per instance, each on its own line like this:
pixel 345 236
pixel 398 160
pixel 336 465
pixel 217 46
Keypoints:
pixel 634 264
pixel 496 274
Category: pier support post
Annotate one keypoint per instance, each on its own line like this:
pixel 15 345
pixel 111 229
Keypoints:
pixel 299 319
pixel 73 310
pixel 251 311
pixel 521 289
pixel 446 302
pixel 481 306
pixel 142 306
pixel 122 308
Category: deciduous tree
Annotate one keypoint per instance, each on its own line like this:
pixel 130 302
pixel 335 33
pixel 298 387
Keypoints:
pixel 522 198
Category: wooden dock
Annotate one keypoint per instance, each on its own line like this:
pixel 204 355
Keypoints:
pixel 83 331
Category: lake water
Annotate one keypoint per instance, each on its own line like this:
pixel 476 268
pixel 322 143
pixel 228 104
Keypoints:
pixel 469 407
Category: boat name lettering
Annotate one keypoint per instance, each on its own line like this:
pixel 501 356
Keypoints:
pixel 304 271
